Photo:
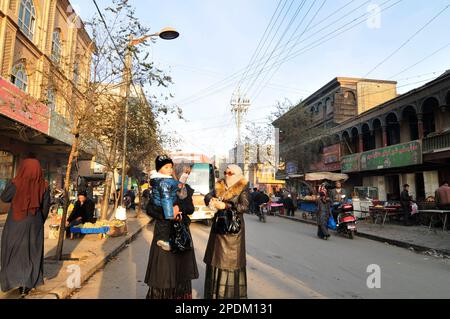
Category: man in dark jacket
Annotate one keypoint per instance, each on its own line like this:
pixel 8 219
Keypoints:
pixel 405 200
pixel 289 206
pixel 255 201
pixel 83 212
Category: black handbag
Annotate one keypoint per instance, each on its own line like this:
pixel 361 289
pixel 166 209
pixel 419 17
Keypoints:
pixel 227 222
pixel 180 239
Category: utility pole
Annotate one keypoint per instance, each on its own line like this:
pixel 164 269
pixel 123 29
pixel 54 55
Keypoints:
pixel 126 87
pixel 239 107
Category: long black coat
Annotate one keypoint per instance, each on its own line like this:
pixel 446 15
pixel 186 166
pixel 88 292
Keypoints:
pixel 228 251
pixel 165 269
pixel 22 255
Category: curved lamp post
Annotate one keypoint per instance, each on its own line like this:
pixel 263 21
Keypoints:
pixel 167 33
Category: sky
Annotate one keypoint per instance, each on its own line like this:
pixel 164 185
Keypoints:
pixel 407 42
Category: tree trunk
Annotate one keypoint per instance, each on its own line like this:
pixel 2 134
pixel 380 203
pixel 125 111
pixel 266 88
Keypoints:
pixel 138 211
pixel 62 227
pixel 105 204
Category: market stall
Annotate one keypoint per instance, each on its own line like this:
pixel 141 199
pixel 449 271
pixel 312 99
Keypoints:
pixel 382 212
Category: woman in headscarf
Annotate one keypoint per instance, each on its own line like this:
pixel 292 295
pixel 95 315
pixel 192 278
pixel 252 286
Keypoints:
pixel 22 254
pixel 169 275
pixel 225 257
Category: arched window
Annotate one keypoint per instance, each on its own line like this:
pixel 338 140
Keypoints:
pixel 27 18
pixel 350 97
pixel 56 46
pixel 19 77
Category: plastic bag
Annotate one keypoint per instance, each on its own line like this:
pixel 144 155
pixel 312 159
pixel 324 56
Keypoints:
pixel 121 213
pixel 414 209
pixel 180 238
pixel 331 223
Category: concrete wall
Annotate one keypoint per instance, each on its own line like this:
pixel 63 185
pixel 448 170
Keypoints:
pixel 371 94
pixel 431 179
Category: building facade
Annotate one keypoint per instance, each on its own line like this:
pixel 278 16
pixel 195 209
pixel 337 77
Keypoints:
pixel 258 163
pixel 303 128
pixel 405 140
pixel 45 55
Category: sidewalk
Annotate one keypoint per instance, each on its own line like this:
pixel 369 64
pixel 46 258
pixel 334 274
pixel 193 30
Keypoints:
pixel 89 253
pixel 418 238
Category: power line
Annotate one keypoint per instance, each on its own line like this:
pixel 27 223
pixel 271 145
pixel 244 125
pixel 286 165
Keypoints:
pixel 290 50
pixel 407 41
pixel 292 35
pixel 298 52
pixel 420 61
pixel 256 53
pixel 236 74
pixel 299 8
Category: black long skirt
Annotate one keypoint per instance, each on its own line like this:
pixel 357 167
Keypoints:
pixel 169 275
pixel 225 284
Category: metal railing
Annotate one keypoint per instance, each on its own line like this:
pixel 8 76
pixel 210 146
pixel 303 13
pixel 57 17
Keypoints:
pixel 438 142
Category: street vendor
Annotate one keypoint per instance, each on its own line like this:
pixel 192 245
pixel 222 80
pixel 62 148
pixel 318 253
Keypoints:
pixel 83 212
pixel 337 192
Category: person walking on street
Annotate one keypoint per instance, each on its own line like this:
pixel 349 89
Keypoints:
pixel 442 196
pixel 22 246
pixel 253 201
pixel 405 201
pixel 323 214
pixel 225 256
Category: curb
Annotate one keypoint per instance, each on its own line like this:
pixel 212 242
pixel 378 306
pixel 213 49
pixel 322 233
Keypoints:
pixel 63 292
pixel 394 242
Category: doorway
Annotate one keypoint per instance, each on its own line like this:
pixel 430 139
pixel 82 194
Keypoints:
pixel 420 187
pixel 393 187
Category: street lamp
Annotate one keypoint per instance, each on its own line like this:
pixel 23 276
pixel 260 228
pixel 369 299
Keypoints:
pixel 167 33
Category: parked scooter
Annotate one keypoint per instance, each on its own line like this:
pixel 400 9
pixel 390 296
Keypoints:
pixel 346 221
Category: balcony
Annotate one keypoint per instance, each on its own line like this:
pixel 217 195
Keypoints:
pixel 437 143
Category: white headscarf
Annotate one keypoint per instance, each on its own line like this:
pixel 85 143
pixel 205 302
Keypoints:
pixel 238 175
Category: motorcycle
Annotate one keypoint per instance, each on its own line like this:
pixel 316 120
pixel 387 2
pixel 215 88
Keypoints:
pixel 346 221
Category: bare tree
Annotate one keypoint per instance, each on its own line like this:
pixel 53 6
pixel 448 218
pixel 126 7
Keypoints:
pixel 94 106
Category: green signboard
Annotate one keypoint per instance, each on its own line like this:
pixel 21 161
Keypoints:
pixel 350 163
pixel 407 154
pixel 401 155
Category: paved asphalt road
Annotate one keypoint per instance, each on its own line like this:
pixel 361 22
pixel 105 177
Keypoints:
pixel 285 259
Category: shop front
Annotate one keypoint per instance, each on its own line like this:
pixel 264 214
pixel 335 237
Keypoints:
pixel 388 169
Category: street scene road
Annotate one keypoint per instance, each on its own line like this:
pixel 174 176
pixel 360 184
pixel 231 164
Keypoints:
pixel 329 118
pixel 285 259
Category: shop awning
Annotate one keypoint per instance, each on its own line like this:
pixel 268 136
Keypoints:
pixel 326 175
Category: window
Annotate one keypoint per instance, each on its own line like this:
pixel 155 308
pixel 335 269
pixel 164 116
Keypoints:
pixel 51 99
pixel 27 18
pixel 56 47
pixel 350 98
pixel 19 77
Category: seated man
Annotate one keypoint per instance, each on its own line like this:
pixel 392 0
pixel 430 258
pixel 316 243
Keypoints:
pixel 83 212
